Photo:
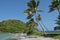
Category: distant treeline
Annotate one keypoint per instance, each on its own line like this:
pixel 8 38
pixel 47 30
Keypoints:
pixel 12 26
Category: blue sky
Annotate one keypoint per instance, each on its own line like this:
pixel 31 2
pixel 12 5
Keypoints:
pixel 13 9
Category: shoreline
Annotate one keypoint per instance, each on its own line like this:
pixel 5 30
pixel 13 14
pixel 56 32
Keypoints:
pixel 22 36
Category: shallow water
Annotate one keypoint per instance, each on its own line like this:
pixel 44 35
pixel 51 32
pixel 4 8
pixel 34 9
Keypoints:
pixel 4 36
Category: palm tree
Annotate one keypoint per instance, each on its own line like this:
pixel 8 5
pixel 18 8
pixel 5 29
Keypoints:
pixel 32 11
pixel 56 6
pixel 58 23
pixel 32 8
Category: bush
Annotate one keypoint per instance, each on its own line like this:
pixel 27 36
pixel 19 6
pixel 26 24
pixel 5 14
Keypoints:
pixel 57 37
pixel 37 33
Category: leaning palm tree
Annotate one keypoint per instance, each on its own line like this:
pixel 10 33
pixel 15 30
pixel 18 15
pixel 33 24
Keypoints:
pixel 38 18
pixel 31 11
pixel 56 6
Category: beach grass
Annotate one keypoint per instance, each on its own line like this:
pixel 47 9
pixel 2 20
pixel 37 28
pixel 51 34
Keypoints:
pixel 57 37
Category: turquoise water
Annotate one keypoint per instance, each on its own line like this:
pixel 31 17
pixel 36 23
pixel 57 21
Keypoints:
pixel 4 36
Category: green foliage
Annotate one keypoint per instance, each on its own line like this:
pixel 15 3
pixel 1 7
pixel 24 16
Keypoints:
pixel 32 7
pixel 58 21
pixel 31 23
pixel 54 5
pixel 31 26
pixel 16 26
pixel 38 17
pixel 57 37
pixel 37 33
pixel 12 26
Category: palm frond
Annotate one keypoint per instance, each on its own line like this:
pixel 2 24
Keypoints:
pixel 51 9
pixel 38 3
pixel 54 5
pixel 29 16
pixel 38 17
pixel 33 3
pixel 27 10
pixel 29 4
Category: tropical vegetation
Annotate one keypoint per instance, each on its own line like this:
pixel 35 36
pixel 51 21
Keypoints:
pixel 16 26
pixel 33 17
pixel 12 26
pixel 55 5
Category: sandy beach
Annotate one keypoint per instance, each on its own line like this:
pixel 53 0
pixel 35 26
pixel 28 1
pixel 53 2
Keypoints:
pixel 21 36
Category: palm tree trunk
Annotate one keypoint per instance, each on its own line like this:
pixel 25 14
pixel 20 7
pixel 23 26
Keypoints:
pixel 41 27
pixel 44 26
pixel 39 23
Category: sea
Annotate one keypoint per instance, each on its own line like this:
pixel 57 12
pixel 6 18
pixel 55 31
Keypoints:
pixel 5 36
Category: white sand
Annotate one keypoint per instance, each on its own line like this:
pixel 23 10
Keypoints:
pixel 39 38
pixel 19 36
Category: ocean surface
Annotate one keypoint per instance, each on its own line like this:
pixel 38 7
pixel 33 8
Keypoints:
pixel 5 36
